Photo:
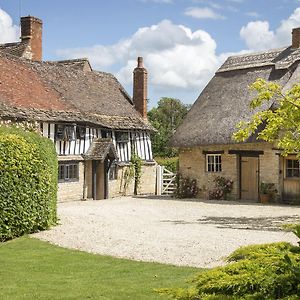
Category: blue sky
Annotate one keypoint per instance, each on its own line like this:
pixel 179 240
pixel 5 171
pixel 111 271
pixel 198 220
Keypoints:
pixel 183 42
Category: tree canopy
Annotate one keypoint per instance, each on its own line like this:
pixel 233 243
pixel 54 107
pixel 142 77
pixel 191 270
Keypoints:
pixel 279 123
pixel 166 117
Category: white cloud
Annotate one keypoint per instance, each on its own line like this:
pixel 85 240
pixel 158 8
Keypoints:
pixel 177 58
pixel 203 13
pixel 258 36
pixel 8 31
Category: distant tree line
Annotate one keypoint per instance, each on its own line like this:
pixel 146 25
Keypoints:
pixel 165 118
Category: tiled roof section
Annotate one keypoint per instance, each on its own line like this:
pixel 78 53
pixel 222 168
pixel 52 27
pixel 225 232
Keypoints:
pixel 90 92
pixel 20 86
pixel 17 49
pixel 79 63
pixel 31 114
pixel 279 58
pixel 100 149
pixel 49 91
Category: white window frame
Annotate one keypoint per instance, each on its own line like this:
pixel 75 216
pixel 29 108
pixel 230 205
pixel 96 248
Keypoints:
pixel 213 165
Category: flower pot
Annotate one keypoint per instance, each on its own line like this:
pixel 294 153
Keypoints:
pixel 264 198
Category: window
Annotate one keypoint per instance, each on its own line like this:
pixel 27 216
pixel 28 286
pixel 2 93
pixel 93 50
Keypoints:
pixel 80 132
pixel 213 163
pixel 122 137
pixel 292 168
pixel 65 132
pixel 106 134
pixel 68 172
pixel 113 172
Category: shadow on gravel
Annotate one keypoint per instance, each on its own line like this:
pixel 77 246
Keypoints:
pixel 261 224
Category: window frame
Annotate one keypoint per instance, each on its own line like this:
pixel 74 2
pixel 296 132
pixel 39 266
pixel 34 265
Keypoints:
pixel 65 132
pixel 67 168
pixel 294 169
pixel 215 166
pixel 113 172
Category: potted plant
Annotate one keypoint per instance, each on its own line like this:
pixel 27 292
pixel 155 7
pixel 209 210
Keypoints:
pixel 267 192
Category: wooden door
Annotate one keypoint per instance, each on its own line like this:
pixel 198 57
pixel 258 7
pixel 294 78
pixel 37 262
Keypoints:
pixel 249 178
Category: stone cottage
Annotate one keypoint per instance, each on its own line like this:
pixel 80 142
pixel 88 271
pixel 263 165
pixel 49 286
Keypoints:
pixel 205 140
pixel 94 124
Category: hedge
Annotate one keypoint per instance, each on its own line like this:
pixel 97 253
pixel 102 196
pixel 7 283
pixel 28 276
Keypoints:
pixel 28 182
pixel 171 163
pixel 256 272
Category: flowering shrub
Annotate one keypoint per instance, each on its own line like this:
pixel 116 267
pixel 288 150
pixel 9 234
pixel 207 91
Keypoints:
pixel 223 187
pixel 186 187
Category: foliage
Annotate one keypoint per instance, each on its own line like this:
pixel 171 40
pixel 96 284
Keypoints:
pixel 166 117
pixel 28 182
pixel 32 269
pixel 186 187
pixel 267 188
pixel 276 117
pixel 223 187
pixel 136 162
pixel 171 163
pixel 133 171
pixel 270 271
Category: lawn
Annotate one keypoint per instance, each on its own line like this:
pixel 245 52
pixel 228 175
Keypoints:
pixel 32 269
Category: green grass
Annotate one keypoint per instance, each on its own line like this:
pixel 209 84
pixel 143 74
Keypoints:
pixel 32 269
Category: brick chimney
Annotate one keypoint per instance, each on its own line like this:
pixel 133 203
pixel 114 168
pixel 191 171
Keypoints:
pixel 31 32
pixel 296 38
pixel 140 88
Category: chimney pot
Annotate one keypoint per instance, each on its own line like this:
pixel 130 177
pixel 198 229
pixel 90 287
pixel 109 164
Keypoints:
pixel 31 32
pixel 296 38
pixel 140 62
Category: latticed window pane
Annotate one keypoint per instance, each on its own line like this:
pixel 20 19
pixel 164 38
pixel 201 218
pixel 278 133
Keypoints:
pixel 292 168
pixel 68 172
pixel 213 163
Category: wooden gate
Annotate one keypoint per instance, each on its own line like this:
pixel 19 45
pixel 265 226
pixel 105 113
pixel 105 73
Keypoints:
pixel 165 181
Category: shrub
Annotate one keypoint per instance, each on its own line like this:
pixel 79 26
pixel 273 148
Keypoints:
pixel 28 182
pixel 270 271
pixel 223 187
pixel 171 163
pixel 186 187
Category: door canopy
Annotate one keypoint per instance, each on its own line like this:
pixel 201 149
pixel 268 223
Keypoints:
pixel 100 149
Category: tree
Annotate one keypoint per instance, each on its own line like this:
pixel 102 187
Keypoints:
pixel 280 122
pixel 166 118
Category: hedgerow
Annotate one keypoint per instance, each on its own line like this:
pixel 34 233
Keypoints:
pixel 28 182
pixel 270 271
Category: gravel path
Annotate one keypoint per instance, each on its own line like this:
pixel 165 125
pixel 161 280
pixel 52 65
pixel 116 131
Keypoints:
pixel 168 231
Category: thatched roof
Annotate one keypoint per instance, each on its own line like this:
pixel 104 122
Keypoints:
pixel 64 91
pixel 225 100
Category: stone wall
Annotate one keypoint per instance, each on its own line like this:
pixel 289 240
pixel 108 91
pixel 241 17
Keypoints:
pixel 192 163
pixel 72 191
pixel 147 186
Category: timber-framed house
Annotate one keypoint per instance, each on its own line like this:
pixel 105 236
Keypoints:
pixel 94 124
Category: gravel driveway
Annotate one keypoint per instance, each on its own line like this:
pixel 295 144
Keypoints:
pixel 168 231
